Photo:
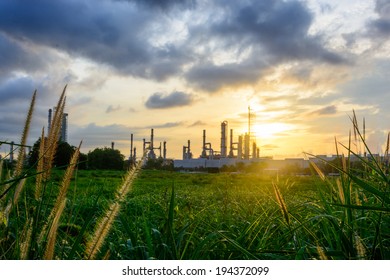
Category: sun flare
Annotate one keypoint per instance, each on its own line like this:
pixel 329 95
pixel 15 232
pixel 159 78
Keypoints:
pixel 270 130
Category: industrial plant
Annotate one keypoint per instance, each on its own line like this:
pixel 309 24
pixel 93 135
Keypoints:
pixel 230 151
pixel 242 149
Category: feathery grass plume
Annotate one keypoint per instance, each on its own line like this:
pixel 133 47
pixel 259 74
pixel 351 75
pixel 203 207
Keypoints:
pixel 96 241
pixel 22 152
pixel 101 231
pixel 21 157
pixel 360 248
pixel 59 205
pixel 53 135
pixel 40 166
pixel 341 195
pixel 50 246
pixel 26 240
pixel 282 203
pixel 318 170
pixel 321 253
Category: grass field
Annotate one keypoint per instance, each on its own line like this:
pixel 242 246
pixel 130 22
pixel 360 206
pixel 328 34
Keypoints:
pixel 171 215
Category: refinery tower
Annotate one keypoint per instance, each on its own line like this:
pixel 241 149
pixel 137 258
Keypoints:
pixel 64 125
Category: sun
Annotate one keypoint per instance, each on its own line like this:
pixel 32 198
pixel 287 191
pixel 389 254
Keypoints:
pixel 270 130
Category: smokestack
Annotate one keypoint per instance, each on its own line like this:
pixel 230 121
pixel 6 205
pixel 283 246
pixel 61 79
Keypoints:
pixel 223 139
pixel 131 146
pixel 165 150
pixel 187 151
pixel 254 150
pixel 246 146
pixel 151 139
pixel 112 145
pixel 49 120
pixel 231 143
pixel 11 152
pixel 64 128
pixel 204 143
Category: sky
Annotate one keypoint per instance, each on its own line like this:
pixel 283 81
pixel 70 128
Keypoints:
pixel 182 66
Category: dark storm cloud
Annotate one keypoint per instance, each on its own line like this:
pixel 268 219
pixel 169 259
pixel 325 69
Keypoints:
pixel 16 90
pixel 381 26
pixel 14 57
pixel 174 99
pixel 164 4
pixel 278 26
pixel 114 35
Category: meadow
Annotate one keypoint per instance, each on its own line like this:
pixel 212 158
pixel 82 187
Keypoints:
pixel 50 213
pixel 172 215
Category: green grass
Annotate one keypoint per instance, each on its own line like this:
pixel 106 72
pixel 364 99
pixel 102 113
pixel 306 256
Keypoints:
pixel 171 215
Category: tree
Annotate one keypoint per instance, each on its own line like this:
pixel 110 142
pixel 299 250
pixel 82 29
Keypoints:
pixel 105 158
pixel 61 158
pixel 63 154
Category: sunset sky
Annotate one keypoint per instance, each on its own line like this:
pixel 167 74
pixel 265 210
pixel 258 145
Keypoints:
pixel 181 66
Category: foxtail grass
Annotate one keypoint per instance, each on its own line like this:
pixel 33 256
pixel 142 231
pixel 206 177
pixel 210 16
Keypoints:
pixel 53 136
pixel 281 203
pixel 59 206
pixel 21 158
pixel 103 227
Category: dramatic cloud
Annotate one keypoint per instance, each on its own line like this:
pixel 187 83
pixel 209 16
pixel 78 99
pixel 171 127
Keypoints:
pixel 135 40
pixel 174 99
pixel 117 37
pixel 280 27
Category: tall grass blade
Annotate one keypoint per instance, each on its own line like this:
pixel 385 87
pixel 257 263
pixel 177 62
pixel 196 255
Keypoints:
pixel 282 203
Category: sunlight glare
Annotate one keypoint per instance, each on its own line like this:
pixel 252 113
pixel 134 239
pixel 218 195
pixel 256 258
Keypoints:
pixel 270 130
